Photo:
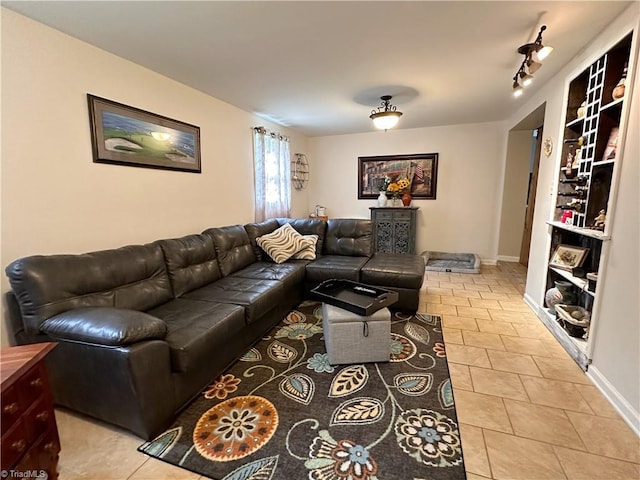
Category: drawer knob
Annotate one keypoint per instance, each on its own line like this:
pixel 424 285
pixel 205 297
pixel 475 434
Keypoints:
pixel 11 408
pixel 19 446
pixel 37 383
pixel 43 416
pixel 50 447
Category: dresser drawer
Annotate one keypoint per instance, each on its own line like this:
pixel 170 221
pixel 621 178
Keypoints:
pixel 14 444
pixel 402 216
pixel 39 419
pixel 33 384
pixel 43 455
pixel 12 408
pixel 383 216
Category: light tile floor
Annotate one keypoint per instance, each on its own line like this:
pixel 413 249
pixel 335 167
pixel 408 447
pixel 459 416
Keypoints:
pixel 526 410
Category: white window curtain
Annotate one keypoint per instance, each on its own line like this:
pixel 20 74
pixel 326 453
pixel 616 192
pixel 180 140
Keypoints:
pixel 272 167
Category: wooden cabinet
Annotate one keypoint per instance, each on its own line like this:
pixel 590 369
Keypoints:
pixel 30 443
pixel 587 178
pixel 394 229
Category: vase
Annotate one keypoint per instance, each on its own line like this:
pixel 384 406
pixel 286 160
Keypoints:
pixel 618 90
pixel 382 199
pixel 561 293
pixel 406 199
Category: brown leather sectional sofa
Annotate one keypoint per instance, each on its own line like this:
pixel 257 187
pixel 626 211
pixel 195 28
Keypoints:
pixel 143 329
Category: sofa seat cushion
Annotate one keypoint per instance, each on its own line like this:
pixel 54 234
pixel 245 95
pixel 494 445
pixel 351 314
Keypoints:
pixel 335 266
pixel 258 297
pixel 105 326
pixel 197 330
pixel 290 273
pixel 394 270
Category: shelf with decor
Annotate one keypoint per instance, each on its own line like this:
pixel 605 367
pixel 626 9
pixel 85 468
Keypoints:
pixel 596 112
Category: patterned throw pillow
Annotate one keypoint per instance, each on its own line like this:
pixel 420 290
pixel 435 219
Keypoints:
pixel 308 252
pixel 282 243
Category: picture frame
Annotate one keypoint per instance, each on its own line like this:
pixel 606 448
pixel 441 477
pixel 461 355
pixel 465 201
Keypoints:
pixel 568 257
pixel 421 169
pixel 124 135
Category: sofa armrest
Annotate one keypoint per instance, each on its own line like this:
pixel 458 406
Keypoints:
pixel 105 326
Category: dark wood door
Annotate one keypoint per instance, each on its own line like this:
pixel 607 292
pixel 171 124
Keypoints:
pixel 531 202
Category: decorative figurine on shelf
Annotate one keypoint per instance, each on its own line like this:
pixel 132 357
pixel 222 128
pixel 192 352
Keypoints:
pixel 582 109
pixel 612 145
pixel 570 168
pixel 600 220
pixel 618 90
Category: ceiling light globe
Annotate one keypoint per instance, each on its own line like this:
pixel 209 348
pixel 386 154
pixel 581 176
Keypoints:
pixel 385 120
pixel 532 66
pixel 517 90
pixel 543 53
pixel 526 80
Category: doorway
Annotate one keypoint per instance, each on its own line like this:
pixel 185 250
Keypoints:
pixel 519 190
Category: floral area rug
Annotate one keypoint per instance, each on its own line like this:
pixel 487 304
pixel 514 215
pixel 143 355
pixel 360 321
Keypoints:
pixel 283 412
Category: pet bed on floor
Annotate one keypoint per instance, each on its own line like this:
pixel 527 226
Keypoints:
pixel 452 262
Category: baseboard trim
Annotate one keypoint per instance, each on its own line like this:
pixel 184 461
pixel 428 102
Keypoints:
pixel 507 258
pixel 532 304
pixel 622 406
pixel 488 261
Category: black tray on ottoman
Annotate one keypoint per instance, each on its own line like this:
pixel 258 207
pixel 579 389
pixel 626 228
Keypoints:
pixel 358 298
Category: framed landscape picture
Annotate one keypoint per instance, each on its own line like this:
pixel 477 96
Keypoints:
pixel 126 135
pixel 567 257
pixel 420 169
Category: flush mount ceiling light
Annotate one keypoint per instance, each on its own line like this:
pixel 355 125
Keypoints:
pixel 385 116
pixel 533 53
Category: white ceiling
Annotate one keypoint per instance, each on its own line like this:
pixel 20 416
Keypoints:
pixel 320 67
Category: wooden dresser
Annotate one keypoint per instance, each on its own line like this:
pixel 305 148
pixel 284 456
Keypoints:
pixel 30 443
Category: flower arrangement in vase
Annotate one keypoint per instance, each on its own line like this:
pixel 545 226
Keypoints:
pixel 399 188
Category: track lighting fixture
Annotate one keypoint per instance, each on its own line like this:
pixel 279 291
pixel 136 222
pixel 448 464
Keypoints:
pixel 533 53
pixel 385 116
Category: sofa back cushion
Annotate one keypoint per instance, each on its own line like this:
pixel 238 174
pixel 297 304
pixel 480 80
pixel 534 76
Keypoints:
pixel 233 248
pixel 352 237
pixel 308 226
pixel 191 262
pixel 131 277
pixel 258 229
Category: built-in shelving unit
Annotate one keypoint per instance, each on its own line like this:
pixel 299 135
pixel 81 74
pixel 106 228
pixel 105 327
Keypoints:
pixel 588 173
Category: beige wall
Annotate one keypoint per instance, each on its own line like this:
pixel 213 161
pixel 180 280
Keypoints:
pixel 514 196
pixel 464 216
pixel 56 200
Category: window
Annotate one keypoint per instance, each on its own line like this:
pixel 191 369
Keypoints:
pixel 272 174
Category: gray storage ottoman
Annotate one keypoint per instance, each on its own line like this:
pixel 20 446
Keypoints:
pixel 352 338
